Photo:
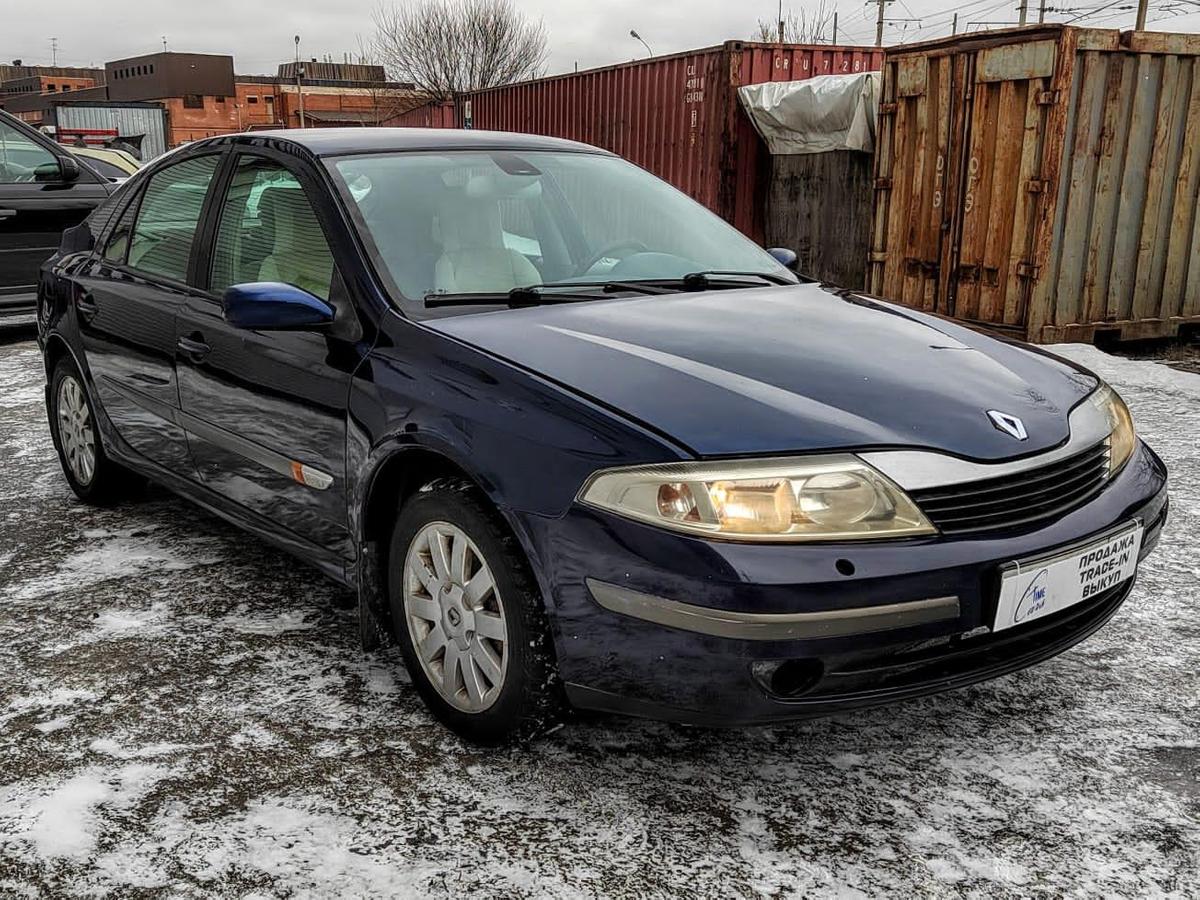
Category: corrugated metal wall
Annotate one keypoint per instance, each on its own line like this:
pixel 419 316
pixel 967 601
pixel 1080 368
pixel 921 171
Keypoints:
pixel 127 120
pixel 676 116
pixel 1042 180
pixel 663 114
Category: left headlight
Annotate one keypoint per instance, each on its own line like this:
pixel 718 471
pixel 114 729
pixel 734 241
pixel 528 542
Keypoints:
pixel 1122 437
pixel 820 498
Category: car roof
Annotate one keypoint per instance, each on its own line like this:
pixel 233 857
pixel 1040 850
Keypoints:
pixel 118 158
pixel 342 141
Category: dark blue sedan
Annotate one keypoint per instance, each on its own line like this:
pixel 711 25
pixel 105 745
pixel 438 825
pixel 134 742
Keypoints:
pixel 575 441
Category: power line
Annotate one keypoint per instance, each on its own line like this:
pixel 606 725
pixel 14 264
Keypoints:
pixel 857 25
pixel 963 8
pixel 941 23
pixel 1101 9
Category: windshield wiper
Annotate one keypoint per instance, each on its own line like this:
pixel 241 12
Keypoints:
pixel 702 281
pixel 536 295
pixel 514 299
pixel 639 286
pixel 556 291
pixel 699 281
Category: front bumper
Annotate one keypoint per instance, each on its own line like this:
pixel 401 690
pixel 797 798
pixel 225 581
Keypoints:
pixel 622 662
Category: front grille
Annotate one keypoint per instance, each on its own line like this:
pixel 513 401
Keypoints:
pixel 1010 501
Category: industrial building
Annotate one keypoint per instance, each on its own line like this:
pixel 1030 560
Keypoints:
pixel 202 96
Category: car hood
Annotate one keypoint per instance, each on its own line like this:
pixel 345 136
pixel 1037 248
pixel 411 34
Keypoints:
pixel 789 369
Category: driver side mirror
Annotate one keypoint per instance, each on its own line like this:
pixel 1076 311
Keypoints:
pixel 274 306
pixel 785 257
pixel 64 168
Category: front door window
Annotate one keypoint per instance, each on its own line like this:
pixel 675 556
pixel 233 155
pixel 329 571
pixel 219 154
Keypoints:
pixel 22 159
pixel 268 231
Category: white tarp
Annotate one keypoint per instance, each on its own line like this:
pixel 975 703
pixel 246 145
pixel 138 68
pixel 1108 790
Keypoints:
pixel 816 115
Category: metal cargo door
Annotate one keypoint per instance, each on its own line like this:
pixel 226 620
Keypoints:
pixel 920 116
pixel 990 266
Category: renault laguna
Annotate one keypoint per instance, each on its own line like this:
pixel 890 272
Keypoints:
pixel 575 441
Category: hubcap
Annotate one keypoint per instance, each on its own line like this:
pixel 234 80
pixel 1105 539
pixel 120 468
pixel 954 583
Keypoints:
pixel 75 430
pixel 454 617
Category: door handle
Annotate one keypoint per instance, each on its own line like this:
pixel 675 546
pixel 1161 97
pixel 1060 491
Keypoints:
pixel 193 347
pixel 86 305
pixel 7 213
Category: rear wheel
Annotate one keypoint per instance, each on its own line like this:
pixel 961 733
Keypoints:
pixel 93 477
pixel 470 622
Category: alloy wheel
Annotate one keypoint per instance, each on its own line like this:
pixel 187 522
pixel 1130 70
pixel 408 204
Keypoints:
pixel 75 431
pixel 454 617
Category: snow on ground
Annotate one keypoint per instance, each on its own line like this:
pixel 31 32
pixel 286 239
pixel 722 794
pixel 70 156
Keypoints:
pixel 186 712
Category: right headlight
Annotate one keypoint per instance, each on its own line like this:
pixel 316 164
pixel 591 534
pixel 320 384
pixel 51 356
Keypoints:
pixel 820 498
pixel 1122 438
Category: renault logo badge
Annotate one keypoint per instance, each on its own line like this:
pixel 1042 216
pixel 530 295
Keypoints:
pixel 1010 425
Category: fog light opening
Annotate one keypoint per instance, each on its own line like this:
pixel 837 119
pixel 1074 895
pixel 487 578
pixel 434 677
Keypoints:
pixel 788 678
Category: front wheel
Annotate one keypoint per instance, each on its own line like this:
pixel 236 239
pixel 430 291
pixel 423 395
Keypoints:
pixel 470 621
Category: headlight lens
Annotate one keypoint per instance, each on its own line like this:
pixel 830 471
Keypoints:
pixel 1122 438
pixel 812 499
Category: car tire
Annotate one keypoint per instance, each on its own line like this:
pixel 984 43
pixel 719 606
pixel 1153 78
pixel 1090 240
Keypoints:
pixel 94 478
pixel 471 624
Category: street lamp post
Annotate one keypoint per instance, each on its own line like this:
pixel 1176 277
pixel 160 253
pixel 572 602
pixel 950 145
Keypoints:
pixel 637 37
pixel 299 87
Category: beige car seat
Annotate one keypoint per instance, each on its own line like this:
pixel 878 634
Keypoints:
pixel 299 253
pixel 474 258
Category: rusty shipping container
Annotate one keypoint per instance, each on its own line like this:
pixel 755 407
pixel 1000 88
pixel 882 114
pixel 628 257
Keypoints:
pixel 1042 181
pixel 677 116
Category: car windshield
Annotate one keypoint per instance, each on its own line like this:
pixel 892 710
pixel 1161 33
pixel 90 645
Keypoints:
pixel 486 222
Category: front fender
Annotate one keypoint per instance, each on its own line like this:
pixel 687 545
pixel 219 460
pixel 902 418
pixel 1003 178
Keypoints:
pixel 527 443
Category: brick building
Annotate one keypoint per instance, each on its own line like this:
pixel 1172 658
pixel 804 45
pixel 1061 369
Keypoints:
pixel 18 78
pixel 203 97
pixel 44 84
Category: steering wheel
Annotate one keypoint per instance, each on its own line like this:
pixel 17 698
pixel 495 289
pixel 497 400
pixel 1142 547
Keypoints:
pixel 632 245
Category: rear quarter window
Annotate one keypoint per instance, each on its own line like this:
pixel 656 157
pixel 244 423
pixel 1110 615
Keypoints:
pixel 115 239
pixel 103 215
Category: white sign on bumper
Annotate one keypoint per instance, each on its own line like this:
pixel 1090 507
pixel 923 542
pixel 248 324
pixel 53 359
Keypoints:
pixel 1030 589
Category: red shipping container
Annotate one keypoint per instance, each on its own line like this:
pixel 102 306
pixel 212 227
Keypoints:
pixel 677 116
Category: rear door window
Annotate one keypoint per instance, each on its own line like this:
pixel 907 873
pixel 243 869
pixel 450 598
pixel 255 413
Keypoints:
pixel 167 219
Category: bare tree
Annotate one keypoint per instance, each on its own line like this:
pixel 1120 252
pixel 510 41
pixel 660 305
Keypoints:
pixel 447 47
pixel 388 99
pixel 811 26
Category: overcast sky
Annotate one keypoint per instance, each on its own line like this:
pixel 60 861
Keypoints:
pixel 259 33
